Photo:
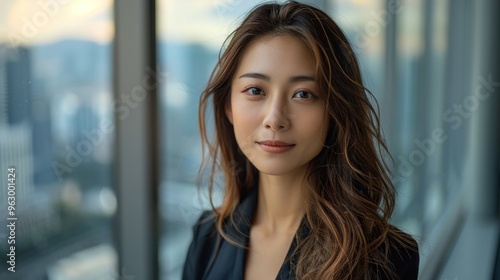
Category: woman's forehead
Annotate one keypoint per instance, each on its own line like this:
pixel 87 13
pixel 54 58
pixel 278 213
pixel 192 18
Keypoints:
pixel 277 55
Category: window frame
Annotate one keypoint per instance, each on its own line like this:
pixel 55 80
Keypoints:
pixel 136 150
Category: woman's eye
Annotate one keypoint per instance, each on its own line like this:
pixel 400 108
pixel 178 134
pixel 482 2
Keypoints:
pixel 254 91
pixel 303 94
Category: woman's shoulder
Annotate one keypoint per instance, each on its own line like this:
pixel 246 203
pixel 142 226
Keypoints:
pixel 403 254
pixel 204 227
pixel 202 246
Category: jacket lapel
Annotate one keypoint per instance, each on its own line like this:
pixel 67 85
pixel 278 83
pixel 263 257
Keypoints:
pixel 243 220
pixel 287 270
pixel 230 259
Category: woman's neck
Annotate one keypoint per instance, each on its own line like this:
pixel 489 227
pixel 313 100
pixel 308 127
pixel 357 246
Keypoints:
pixel 281 203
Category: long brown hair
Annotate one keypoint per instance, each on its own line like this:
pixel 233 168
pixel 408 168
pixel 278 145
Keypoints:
pixel 352 197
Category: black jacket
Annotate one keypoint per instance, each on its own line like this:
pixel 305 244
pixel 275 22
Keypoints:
pixel 211 257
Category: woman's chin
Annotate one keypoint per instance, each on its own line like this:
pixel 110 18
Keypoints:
pixel 278 169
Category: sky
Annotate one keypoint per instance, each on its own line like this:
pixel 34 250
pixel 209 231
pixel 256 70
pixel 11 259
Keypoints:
pixel 32 22
pixel 206 22
pixel 43 21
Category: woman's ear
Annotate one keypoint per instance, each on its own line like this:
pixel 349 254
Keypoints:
pixel 229 111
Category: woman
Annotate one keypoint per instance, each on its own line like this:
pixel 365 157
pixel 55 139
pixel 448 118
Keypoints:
pixel 306 195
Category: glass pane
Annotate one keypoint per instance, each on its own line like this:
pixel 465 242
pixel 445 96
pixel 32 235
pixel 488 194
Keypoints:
pixel 364 23
pixel 421 51
pixel 419 83
pixel 406 123
pixel 437 196
pixel 56 136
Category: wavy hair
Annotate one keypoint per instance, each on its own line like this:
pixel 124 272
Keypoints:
pixel 352 197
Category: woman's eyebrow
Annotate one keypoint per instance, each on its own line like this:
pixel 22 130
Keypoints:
pixel 298 78
pixel 255 76
pixel 302 78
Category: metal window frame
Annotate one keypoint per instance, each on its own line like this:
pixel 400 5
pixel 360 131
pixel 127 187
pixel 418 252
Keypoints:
pixel 136 152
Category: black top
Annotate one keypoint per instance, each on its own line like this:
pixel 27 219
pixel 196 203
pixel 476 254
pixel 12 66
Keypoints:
pixel 211 257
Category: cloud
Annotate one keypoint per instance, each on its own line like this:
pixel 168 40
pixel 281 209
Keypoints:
pixel 207 22
pixel 45 21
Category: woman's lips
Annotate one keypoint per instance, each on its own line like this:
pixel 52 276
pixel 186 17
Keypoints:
pixel 275 146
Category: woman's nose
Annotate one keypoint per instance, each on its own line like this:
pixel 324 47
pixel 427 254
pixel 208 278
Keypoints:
pixel 277 116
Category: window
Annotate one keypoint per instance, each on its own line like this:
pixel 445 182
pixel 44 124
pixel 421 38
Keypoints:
pixel 56 130
pixel 421 45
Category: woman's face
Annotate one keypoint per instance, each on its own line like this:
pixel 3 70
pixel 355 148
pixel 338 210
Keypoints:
pixel 276 108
